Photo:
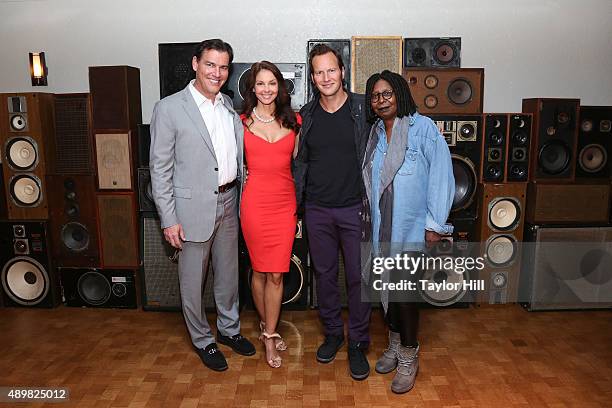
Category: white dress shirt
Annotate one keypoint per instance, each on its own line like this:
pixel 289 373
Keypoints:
pixel 220 125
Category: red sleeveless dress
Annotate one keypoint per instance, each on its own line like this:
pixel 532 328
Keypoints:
pixel 268 209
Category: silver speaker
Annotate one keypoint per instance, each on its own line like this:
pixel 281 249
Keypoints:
pixel 504 214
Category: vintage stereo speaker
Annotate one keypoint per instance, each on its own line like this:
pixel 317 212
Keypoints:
pixel 115 94
pixel 500 233
pixel 555 130
pixel 494 147
pixel 519 142
pixel 159 277
pixel 371 55
pixel 294 75
pixel 26 134
pixel 118 230
pixel 567 268
pixel 26 266
pixel 432 52
pixel 73 220
pixel 449 90
pixel 342 47
pixel 108 288
pixel 145 193
pixel 296 282
pixel 463 135
pixel 568 203
pixel 73 136
pixel 144 145
pixel 3 211
pixel 114 160
pixel 594 142
pixel 175 69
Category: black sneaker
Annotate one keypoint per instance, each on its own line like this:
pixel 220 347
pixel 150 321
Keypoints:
pixel 238 343
pixel 358 363
pixel 327 351
pixel 212 357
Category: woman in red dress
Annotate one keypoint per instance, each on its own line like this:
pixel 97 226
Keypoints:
pixel 268 207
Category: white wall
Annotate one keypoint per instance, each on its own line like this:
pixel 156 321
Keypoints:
pixel 529 48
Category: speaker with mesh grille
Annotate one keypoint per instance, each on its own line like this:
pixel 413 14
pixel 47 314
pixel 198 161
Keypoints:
pixel 27 147
pixel 594 142
pixel 26 266
pixel 567 268
pixel 449 90
pixel 500 232
pixel 115 157
pixel 105 288
pixel 115 95
pixel 370 55
pixel 117 214
pixel 175 69
pixel 555 131
pixel 519 146
pixel 73 137
pixel 342 47
pixel 73 221
pixel 432 52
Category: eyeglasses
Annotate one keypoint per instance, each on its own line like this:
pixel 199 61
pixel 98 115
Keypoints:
pixel 385 94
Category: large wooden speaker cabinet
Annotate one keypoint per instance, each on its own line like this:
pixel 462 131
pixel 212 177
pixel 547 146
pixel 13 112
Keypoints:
pixel 567 268
pixel 73 223
pixel 118 230
pixel 500 232
pixel 26 266
pixel 370 55
pixel 115 94
pixel 555 131
pixel 448 90
pixel 594 143
pixel 26 134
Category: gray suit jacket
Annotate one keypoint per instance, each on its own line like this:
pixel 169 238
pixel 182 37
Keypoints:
pixel 184 175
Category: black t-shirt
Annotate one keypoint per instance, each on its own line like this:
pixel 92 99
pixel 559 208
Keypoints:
pixel 334 179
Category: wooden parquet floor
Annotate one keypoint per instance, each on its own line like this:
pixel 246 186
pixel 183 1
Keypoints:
pixel 487 357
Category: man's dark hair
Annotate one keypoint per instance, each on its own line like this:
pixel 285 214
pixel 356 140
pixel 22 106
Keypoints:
pixel 321 49
pixel 214 44
pixel 405 103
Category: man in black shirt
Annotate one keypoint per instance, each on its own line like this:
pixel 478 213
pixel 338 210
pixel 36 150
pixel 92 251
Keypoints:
pixel 327 173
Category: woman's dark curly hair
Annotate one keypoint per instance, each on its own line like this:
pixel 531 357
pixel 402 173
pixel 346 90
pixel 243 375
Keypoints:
pixel 405 103
pixel 283 112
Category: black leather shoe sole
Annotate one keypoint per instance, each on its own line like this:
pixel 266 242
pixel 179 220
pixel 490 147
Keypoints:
pixel 329 359
pixel 226 341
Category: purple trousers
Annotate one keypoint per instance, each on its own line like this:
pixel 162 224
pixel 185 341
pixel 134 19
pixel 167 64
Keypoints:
pixel 329 230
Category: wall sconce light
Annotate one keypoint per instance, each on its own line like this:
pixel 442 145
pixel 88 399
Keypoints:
pixel 38 69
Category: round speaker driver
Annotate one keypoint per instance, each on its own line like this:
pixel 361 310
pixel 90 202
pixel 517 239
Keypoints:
pixel 94 288
pixel 504 214
pixel 25 190
pixel 593 158
pixel 444 53
pixel 18 122
pixel 460 91
pixel 500 250
pixel 465 182
pixel 293 281
pixel 554 157
pixel 25 281
pixel 75 236
pixel 242 83
pixel 21 153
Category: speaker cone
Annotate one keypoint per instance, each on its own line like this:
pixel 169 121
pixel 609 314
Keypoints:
pixel 242 83
pixel 460 91
pixel 500 249
pixel 444 53
pixel 554 157
pixel 293 281
pixel 593 158
pixel 465 182
pixel 431 81
pixel 21 153
pixel 419 55
pixel 18 123
pixel 75 236
pixel 518 172
pixel 451 293
pixel 493 172
pixel 25 281
pixel 467 131
pixel 504 214
pixel 520 138
pixel 290 85
pixel 94 288
pixel 149 191
pixel 25 190
pixel 431 101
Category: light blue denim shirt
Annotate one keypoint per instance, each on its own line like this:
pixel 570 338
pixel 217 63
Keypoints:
pixel 423 187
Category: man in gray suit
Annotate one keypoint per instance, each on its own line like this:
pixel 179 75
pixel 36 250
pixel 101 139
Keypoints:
pixel 196 172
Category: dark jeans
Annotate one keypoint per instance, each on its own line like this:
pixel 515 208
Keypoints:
pixel 330 229
pixel 403 318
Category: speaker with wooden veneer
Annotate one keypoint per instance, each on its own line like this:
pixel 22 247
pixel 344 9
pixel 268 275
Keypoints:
pixel 26 143
pixel 115 160
pixel 494 147
pixel 446 90
pixel 370 55
pixel 519 146
pixel 500 232
pixel 115 94
pixel 118 229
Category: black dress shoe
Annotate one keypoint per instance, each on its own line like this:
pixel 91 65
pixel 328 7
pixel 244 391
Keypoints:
pixel 327 351
pixel 358 363
pixel 212 357
pixel 238 343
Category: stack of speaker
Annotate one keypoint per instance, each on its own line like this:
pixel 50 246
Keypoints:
pixel 569 262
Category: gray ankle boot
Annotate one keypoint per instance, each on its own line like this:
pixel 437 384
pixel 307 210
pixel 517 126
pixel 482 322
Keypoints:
pixel 407 367
pixel 388 361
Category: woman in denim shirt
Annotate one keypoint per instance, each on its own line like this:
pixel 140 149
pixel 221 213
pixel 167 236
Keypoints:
pixel 410 186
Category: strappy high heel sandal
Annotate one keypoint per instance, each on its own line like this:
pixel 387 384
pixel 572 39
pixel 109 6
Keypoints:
pixel 274 362
pixel 279 342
